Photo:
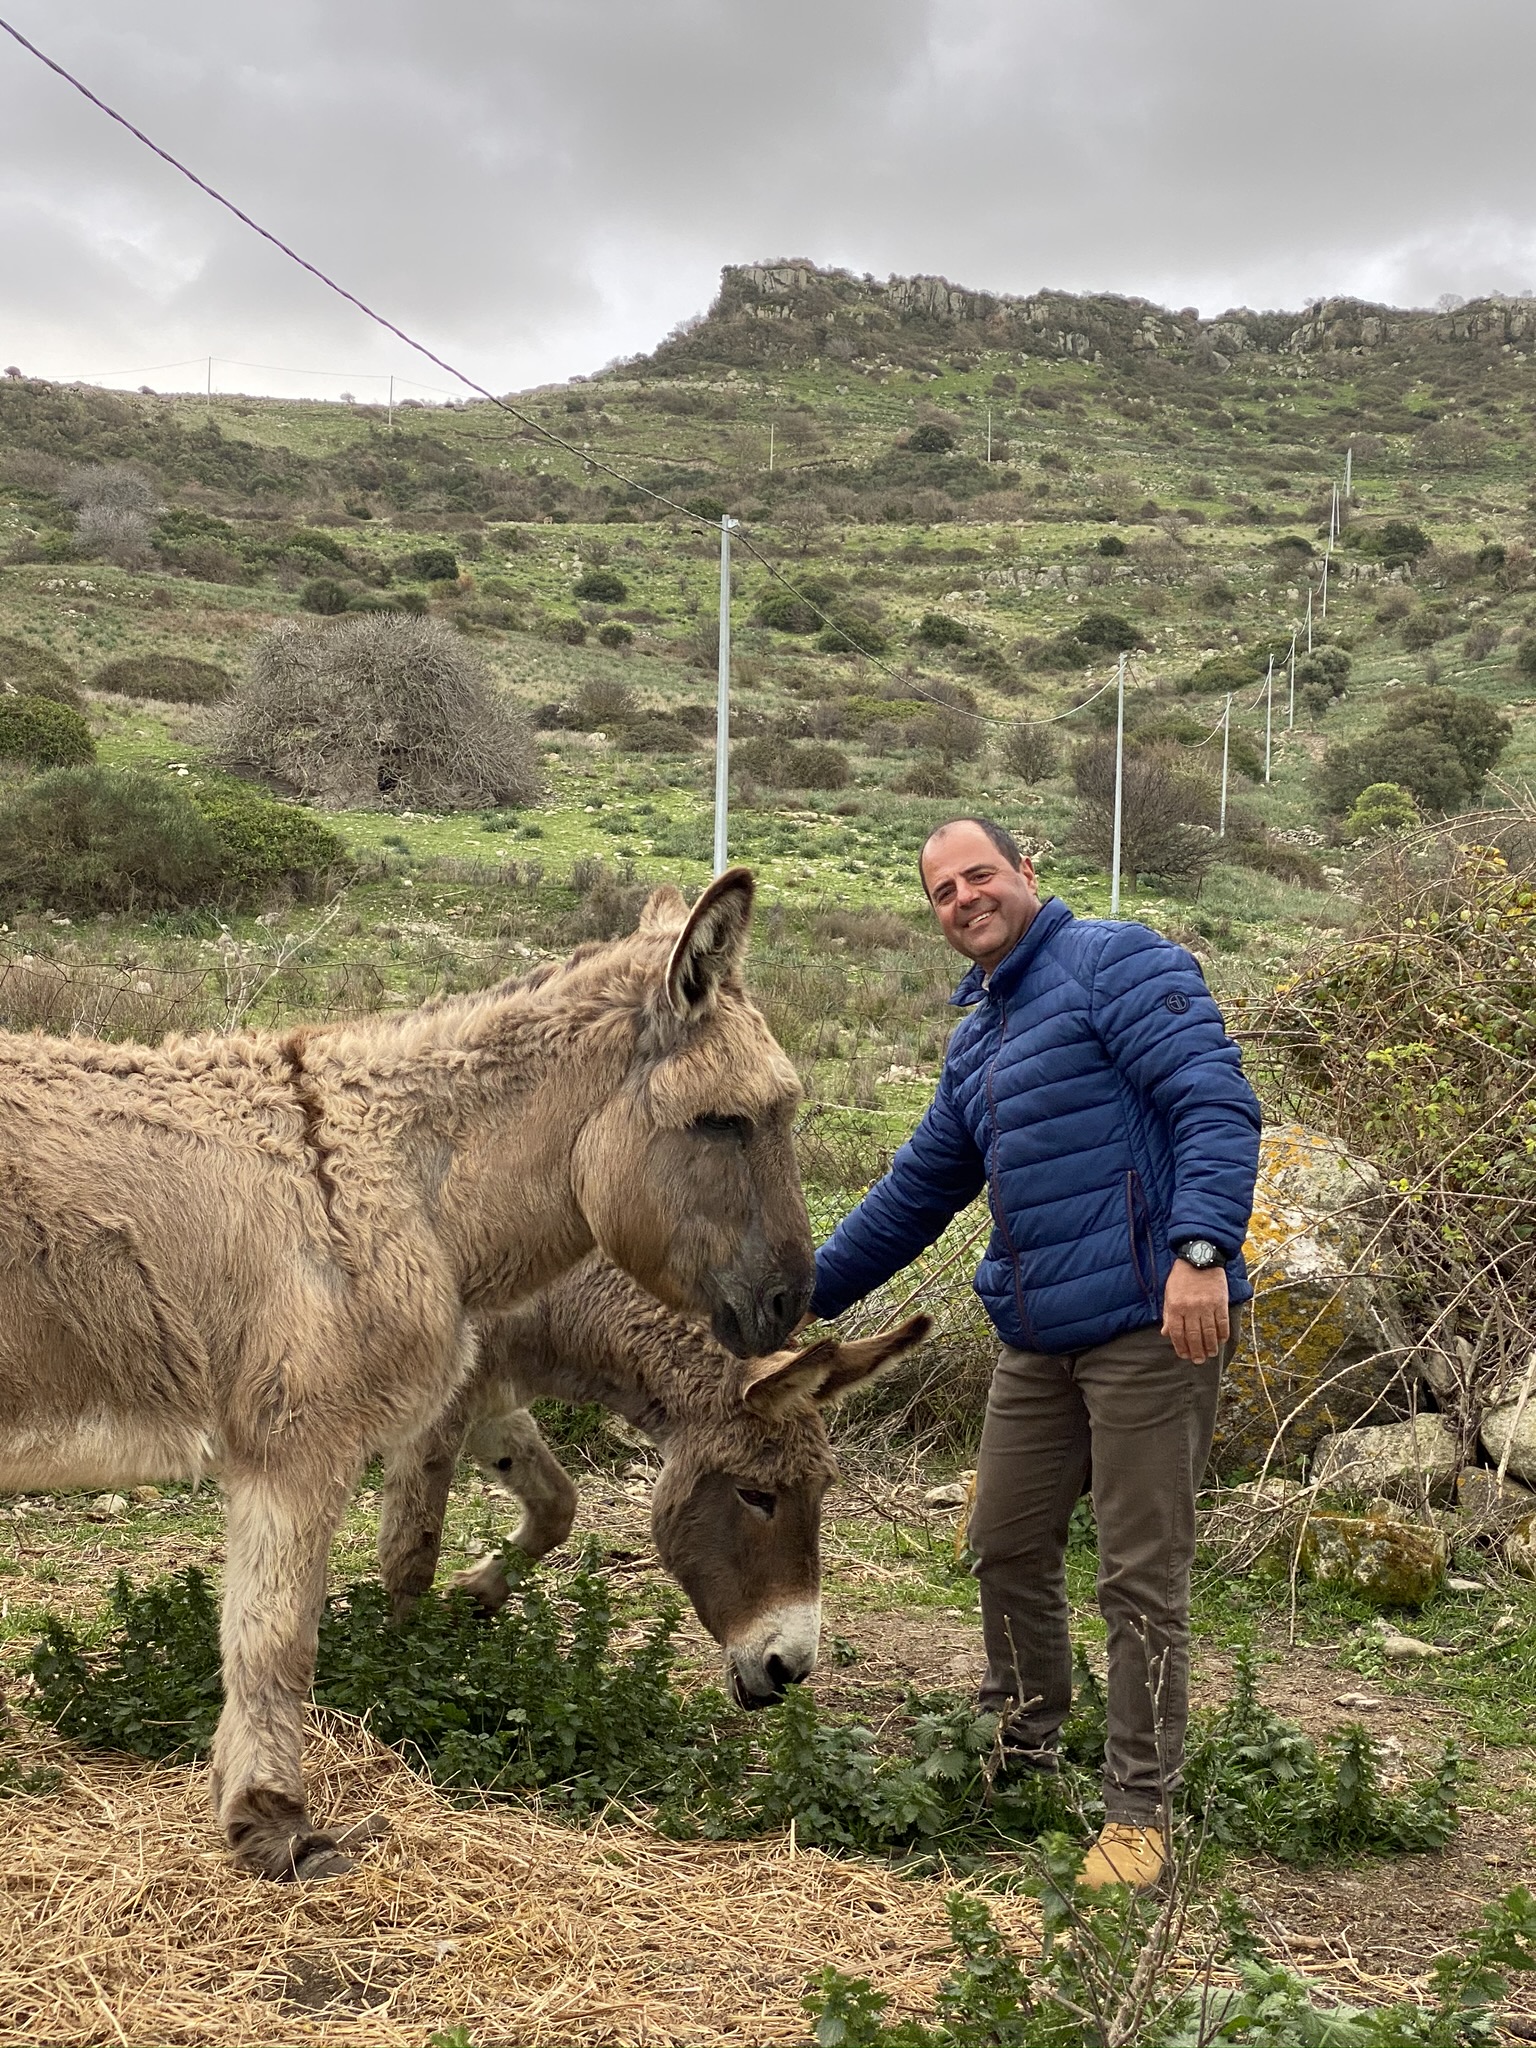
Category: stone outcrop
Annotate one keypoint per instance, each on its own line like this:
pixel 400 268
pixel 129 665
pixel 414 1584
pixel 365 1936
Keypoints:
pixel 1507 1428
pixel 1325 1335
pixel 1415 1461
pixel 1390 1563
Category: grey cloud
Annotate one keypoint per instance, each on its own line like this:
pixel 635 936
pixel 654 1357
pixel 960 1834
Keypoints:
pixel 538 185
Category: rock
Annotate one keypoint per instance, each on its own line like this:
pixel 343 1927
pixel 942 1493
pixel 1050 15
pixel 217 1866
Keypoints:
pixel 1459 1585
pixel 1520 1548
pixel 145 1495
pixel 1415 1461
pixel 1488 1509
pixel 1324 1309
pixel 954 1493
pixel 1403 1648
pixel 1357 1702
pixel 110 1504
pixel 1499 1425
pixel 1392 1563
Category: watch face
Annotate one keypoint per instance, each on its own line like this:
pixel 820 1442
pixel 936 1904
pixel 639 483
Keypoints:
pixel 1199 1252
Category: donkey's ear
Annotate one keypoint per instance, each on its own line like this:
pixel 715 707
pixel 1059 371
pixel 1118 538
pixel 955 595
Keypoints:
pixel 827 1370
pixel 711 944
pixel 664 910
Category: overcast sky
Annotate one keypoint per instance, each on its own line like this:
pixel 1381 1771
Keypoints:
pixel 537 186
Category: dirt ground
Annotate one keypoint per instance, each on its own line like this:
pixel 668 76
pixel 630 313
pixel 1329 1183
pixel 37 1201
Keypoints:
pixel 685 1965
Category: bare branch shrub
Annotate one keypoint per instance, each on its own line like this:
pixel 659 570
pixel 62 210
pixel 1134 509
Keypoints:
pixel 381 709
pixel 1168 814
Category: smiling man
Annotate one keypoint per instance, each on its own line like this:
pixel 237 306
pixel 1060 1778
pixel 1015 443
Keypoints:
pixel 1094 1093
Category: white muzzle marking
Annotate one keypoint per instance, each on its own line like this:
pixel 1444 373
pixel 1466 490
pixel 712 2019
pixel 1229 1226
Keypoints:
pixel 778 1649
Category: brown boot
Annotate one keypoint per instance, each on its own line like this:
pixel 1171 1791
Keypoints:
pixel 1124 1854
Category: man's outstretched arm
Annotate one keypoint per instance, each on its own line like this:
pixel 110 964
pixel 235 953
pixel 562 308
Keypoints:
pixel 931 1179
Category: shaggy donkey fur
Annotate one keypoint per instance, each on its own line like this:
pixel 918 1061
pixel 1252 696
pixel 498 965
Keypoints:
pixel 258 1254
pixel 737 1509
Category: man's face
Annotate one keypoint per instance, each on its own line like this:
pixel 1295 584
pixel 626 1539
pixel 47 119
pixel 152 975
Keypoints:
pixel 983 905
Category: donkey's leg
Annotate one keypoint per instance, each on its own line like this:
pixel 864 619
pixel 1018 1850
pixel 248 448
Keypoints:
pixel 418 1475
pixel 279 1526
pixel 507 1446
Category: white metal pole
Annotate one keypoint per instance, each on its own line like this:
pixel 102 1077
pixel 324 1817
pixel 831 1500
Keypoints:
pixel 723 701
pixel 1325 585
pixel 1226 748
pixel 1114 855
pixel 1349 471
pixel 1290 716
pixel 1269 713
pixel 1309 617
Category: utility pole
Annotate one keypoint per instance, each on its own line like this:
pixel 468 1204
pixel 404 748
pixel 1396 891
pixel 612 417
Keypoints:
pixel 1226 748
pixel 1114 855
pixel 1349 468
pixel 989 433
pixel 1290 719
pixel 1325 586
pixel 1333 518
pixel 1269 714
pixel 1309 615
pixel 723 700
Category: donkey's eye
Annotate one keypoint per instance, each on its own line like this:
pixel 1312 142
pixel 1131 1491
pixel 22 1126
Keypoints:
pixel 760 1503
pixel 723 1126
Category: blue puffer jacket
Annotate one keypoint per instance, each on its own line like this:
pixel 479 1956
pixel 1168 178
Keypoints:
pixel 1095 1094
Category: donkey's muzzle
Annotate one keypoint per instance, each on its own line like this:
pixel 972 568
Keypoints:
pixel 778 1651
pixel 752 1321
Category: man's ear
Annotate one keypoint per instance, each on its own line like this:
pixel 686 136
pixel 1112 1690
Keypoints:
pixel 828 1370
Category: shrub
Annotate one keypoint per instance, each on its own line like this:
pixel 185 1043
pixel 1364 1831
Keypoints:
pixel 931 439
pixel 809 764
pixel 1397 604
pixel 1328 667
pixel 384 707
pixel 1315 699
pixel 602 586
pixel 787 612
pixel 1470 726
pixel 263 844
pixel 949 731
pixel 937 629
pixel 1168 811
pixel 616 634
pixel 1419 760
pixel 33 671
pixel 1110 544
pixel 172 678
pixel 852 632
pixel 1107 633
pixel 928 778
pixel 712 509
pixel 1381 807
pixel 1030 750
pixel 308 540
pixel 1394 542
pixel 1525 656
pixel 84 840
pixel 323 594
pixel 601 701
pixel 654 732
pixel 43 733
pixel 1481 641
pixel 1423 628
pixel 430 565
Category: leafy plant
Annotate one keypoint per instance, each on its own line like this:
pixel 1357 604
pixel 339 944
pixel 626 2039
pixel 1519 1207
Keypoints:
pixel 172 678
pixel 44 733
pixel 33 671
pixel 84 840
pixel 602 586
pixel 324 595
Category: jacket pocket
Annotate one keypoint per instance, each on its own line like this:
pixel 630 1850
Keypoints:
pixel 1138 1226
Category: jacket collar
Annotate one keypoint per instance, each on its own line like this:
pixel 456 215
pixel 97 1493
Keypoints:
pixel 1012 968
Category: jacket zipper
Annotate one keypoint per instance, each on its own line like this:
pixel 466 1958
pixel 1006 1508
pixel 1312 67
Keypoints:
pixel 998 1208
pixel 1134 1201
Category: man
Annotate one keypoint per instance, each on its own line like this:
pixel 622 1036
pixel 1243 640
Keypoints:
pixel 1094 1093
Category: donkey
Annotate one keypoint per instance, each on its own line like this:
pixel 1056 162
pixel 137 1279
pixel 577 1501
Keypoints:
pixel 736 1511
pixel 259 1254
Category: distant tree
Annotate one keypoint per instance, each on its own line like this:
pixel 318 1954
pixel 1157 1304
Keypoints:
pixel 937 629
pixel 1030 750
pixel 1110 544
pixel 1381 807
pixel 430 565
pixel 1107 633
pixel 324 595
pixel 602 586
pixel 1168 812
pixel 931 439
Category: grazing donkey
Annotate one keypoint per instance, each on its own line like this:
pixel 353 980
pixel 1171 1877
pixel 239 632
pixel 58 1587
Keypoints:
pixel 259 1254
pixel 737 1509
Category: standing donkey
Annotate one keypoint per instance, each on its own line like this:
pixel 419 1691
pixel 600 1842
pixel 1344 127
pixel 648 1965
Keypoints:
pixel 736 1511
pixel 258 1254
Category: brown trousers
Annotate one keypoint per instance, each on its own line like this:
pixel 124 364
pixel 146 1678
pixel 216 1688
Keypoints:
pixel 1131 1422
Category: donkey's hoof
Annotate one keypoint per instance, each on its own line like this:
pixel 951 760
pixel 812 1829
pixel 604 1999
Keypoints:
pixel 320 1863
pixel 486 1584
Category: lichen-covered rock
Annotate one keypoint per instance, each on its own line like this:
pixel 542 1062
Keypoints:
pixel 1504 1422
pixel 1417 1461
pixel 1391 1563
pixel 1520 1548
pixel 1324 1312
pixel 1488 1508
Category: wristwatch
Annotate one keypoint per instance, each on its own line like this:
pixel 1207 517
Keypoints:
pixel 1199 1252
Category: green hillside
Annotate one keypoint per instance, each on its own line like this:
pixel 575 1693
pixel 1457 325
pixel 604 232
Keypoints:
pixel 983 499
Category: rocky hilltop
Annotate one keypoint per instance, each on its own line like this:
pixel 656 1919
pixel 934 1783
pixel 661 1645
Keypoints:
pixel 793 311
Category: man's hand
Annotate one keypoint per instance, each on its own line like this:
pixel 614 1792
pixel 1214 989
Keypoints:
pixel 1196 1320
